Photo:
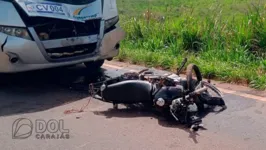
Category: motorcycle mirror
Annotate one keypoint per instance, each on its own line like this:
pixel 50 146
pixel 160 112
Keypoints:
pixel 182 66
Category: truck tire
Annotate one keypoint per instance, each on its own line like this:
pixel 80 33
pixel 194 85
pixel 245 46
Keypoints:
pixel 94 65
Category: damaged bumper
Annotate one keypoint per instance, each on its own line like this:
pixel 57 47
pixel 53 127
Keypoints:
pixel 18 55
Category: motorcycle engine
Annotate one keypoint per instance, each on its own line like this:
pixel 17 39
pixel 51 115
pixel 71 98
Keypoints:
pixel 179 110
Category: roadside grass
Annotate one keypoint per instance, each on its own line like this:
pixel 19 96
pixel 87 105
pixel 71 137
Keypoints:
pixel 225 39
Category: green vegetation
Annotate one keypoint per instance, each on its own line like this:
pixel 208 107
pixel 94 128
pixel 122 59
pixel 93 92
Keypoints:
pixel 227 39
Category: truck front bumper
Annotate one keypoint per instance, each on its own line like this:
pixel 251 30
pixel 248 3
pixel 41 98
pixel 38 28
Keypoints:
pixel 30 56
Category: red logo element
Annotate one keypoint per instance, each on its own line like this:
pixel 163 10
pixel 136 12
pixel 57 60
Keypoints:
pixel 30 8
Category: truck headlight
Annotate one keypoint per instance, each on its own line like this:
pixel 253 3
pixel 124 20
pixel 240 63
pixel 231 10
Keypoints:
pixel 15 31
pixel 111 22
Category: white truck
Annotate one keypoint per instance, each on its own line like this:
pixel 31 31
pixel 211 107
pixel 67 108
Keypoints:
pixel 39 34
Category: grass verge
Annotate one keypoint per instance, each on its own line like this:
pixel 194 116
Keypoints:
pixel 231 49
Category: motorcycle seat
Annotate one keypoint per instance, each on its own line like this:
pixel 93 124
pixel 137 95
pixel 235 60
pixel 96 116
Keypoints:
pixel 129 92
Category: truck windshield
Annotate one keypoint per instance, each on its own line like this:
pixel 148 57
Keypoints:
pixel 73 2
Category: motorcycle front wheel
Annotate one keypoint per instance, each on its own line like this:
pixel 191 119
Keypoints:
pixel 192 83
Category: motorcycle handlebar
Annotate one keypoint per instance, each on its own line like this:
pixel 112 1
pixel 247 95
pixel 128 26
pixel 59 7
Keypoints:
pixel 196 92
pixel 201 90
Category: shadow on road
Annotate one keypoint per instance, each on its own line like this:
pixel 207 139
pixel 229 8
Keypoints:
pixel 139 111
pixel 41 90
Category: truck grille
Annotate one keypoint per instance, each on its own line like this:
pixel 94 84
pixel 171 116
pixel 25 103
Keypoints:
pixel 71 51
pixel 57 29
pixel 60 29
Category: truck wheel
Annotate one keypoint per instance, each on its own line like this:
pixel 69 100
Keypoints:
pixel 94 65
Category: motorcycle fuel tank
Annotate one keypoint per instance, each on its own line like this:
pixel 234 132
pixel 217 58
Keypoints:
pixel 169 93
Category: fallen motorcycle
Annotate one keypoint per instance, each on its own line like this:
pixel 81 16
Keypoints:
pixel 181 98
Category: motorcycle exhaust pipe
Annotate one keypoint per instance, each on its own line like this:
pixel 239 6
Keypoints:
pixel 13 58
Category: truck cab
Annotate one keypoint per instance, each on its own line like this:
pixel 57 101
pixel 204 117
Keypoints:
pixel 39 34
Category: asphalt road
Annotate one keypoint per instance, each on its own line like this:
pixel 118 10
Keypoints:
pixel 45 95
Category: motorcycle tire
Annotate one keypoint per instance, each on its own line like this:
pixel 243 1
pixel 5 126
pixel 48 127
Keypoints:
pixel 212 88
pixel 191 83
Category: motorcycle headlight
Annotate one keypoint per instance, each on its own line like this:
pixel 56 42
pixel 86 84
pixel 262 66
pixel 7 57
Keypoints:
pixel 111 22
pixel 15 31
